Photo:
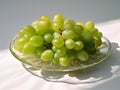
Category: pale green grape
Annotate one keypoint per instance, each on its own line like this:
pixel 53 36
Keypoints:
pixel 68 34
pixel 62 51
pixel 56 35
pixel 19 43
pixel 36 41
pixel 82 24
pixel 58 42
pixel 90 25
pixel 56 58
pixel 54 48
pixel 64 61
pixel 27 31
pixel 78 45
pixel 69 44
pixel 45 18
pixel 47 55
pixel 48 37
pixel 69 24
pixel 28 48
pixel 44 25
pixel 86 36
pixel 58 18
pixel 40 50
pixel 38 28
pixel 78 29
pixel 57 26
pixel 82 55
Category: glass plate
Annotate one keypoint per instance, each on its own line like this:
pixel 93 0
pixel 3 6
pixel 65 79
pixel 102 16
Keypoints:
pixel 37 67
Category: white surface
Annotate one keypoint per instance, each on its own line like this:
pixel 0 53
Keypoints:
pixel 14 77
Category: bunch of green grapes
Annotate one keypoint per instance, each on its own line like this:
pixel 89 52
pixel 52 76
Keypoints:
pixel 59 40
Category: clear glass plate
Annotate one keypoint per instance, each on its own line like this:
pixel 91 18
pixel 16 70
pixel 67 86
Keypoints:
pixel 37 67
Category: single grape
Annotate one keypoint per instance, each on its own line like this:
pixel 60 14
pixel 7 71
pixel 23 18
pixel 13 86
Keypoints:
pixel 90 25
pixel 38 28
pixel 82 24
pixel 36 41
pixel 68 34
pixel 27 31
pixel 56 35
pixel 78 45
pixel 58 42
pixel 78 29
pixel 28 48
pixel 64 61
pixel 19 43
pixel 56 58
pixel 57 27
pixel 69 24
pixel 47 55
pixel 58 18
pixel 61 51
pixel 69 44
pixel 82 55
pixel 45 25
pixel 40 50
pixel 86 36
pixel 45 18
pixel 48 37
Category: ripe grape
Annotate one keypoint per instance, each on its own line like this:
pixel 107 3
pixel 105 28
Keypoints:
pixel 68 34
pixel 69 43
pixel 47 55
pixel 36 41
pixel 58 42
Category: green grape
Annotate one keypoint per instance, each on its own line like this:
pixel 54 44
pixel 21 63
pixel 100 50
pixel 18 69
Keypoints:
pixel 19 43
pixel 45 25
pixel 56 35
pixel 82 24
pixel 28 48
pixel 38 28
pixel 99 35
pixel 57 26
pixel 58 42
pixel 56 58
pixel 40 50
pixel 54 48
pixel 71 53
pixel 62 51
pixel 45 18
pixel 69 44
pixel 94 31
pixel 58 18
pixel 68 34
pixel 86 36
pixel 91 51
pixel 27 31
pixel 90 25
pixel 64 61
pixel 82 55
pixel 48 37
pixel 21 33
pixel 98 42
pixel 47 55
pixel 36 41
pixel 78 29
pixel 69 24
pixel 78 45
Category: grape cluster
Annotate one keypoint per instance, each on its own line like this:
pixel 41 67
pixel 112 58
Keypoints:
pixel 60 39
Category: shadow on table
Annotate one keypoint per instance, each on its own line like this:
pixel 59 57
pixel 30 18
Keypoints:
pixel 90 75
